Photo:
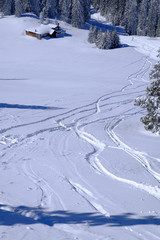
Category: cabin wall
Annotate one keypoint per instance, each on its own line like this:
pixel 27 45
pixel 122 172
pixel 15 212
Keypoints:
pixel 32 34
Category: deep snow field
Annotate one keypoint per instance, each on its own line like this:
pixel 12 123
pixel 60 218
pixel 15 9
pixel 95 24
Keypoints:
pixel 75 160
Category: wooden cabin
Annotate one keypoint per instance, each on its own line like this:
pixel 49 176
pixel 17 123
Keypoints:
pixel 49 30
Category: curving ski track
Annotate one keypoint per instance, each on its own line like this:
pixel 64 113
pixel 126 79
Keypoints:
pixel 111 109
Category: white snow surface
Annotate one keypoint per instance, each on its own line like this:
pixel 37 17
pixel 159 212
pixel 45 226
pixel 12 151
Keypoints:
pixel 75 160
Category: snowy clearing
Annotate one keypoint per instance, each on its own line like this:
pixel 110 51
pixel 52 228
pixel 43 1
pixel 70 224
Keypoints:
pixel 76 162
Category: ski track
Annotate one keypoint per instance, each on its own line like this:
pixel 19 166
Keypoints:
pixel 47 191
pixel 75 120
pixel 88 196
pixel 87 192
pixel 99 146
pixel 139 156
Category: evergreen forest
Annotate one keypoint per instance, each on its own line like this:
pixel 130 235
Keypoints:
pixel 139 17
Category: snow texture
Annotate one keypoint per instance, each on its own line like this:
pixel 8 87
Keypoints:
pixel 75 160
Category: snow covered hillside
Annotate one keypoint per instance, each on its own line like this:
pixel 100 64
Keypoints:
pixel 75 161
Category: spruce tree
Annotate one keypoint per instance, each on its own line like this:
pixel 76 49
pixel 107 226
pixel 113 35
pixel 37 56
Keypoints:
pixel 158 24
pixel 121 10
pixel 140 17
pixel 99 39
pixel 18 8
pixel 107 40
pixel 95 32
pixel 26 5
pixel 152 18
pixel 102 7
pixel 50 8
pixel 96 4
pixel 35 6
pixel 91 35
pixel 65 10
pixel 130 21
pixel 78 14
pixel 7 7
pixel 115 39
pixel 143 18
pixel 114 12
pixel 151 101
pixel 41 16
pixel 1 5
pixel 86 6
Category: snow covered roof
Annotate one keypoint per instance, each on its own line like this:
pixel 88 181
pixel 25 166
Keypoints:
pixel 43 29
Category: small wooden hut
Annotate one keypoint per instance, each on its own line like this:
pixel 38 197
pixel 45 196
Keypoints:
pixel 49 30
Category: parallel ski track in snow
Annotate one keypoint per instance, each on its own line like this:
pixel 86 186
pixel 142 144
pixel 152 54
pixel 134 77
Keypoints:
pixel 93 109
pixel 114 121
pixel 75 121
pixel 46 190
pixel 99 146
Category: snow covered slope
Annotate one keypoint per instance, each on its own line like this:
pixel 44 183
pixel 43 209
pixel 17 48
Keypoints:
pixel 75 161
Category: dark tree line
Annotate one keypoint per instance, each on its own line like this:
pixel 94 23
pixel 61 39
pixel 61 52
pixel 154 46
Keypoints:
pixel 139 17
pixel 76 12
pixel 106 40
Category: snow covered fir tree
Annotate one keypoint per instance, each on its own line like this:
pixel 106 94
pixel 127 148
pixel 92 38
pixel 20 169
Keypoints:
pixel 139 17
pixel 151 101
pixel 106 40
pixel 76 12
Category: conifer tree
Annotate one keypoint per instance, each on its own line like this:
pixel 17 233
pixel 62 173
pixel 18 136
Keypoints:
pixel 115 39
pixel 130 20
pixel 50 8
pixel 91 35
pixel 140 17
pixel 1 5
pixel 143 18
pixel 35 5
pixel 59 6
pixel 158 25
pixel 26 5
pixel 151 101
pixel 107 40
pixel 121 9
pixel 78 14
pixel 41 16
pixel 86 6
pixel 152 18
pixel 99 38
pixel 113 12
pixel 96 4
pixel 102 7
pixel 7 7
pixel 65 9
pixel 95 32
pixel 18 8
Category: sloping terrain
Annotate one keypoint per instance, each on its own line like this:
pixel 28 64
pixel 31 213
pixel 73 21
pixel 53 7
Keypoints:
pixel 75 160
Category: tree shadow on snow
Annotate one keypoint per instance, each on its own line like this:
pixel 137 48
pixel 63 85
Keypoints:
pixel 13 79
pixel 105 27
pixel 10 216
pixel 125 45
pixel 33 107
pixel 31 15
pixel 63 35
